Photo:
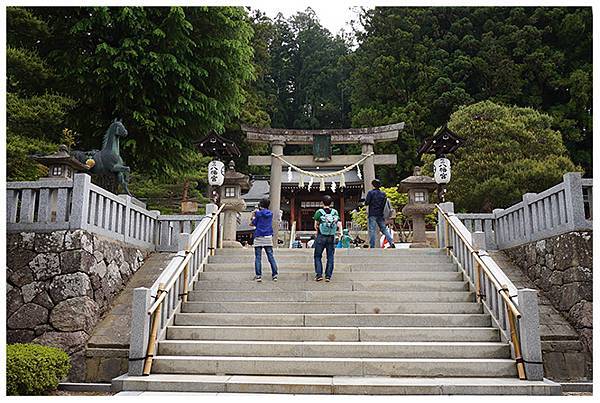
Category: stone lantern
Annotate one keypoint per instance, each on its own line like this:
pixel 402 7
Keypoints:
pixel 231 197
pixel 419 188
pixel 61 165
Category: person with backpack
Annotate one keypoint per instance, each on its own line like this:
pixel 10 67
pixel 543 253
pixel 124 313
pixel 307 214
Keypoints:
pixel 262 220
pixel 327 224
pixel 379 206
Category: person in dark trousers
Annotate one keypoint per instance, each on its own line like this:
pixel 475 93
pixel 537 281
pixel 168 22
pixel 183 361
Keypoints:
pixel 262 219
pixel 376 201
pixel 327 224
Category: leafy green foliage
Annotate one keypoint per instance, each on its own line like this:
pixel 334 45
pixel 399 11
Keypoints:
pixel 509 151
pixel 32 369
pixel 35 114
pixel 419 65
pixel 172 74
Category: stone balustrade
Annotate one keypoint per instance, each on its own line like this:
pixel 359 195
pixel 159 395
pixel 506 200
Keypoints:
pixel 55 205
pixel 563 208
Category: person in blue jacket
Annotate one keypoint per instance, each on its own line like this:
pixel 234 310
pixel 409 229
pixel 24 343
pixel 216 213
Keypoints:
pixel 262 220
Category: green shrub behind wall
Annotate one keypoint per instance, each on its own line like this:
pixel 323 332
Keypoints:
pixel 32 369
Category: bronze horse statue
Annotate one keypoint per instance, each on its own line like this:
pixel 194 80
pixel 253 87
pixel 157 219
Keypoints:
pixel 108 160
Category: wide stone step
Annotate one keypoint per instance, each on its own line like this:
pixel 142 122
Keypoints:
pixel 343 385
pixel 309 333
pixel 248 274
pixel 376 320
pixel 332 296
pixel 397 260
pixel 335 349
pixel 307 285
pixel 311 366
pixel 377 252
pixel 328 307
pixel 375 266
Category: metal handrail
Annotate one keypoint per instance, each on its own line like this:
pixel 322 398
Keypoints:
pixel 502 289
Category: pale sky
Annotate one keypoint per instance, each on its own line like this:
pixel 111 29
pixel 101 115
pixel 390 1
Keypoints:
pixel 333 15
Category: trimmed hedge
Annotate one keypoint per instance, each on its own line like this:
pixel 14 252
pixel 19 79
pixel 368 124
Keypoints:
pixel 32 369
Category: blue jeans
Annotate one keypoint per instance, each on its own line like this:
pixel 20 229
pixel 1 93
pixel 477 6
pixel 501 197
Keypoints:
pixel 324 242
pixel 375 222
pixel 258 260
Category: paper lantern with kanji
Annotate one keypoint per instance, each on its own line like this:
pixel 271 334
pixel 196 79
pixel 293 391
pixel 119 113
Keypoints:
pixel 441 170
pixel 216 173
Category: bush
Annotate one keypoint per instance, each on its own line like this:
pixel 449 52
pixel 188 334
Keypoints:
pixel 32 369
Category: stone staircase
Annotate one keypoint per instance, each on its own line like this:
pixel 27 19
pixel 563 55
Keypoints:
pixel 398 321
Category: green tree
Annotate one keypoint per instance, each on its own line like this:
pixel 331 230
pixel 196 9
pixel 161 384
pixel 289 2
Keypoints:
pixel 36 114
pixel 419 65
pixel 172 74
pixel 509 151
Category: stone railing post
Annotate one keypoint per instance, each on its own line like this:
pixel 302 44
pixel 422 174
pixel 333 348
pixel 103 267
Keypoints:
pixel 529 333
pixel 499 228
pixel 140 329
pixel 80 200
pixel 448 207
pixel 574 201
pixel 183 242
pixel 478 240
pixel 127 217
pixel 528 199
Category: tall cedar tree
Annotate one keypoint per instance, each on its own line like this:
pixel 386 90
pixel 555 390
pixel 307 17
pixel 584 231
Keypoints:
pixel 418 65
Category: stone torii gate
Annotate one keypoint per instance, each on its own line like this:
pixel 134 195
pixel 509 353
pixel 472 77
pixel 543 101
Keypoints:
pixel 278 138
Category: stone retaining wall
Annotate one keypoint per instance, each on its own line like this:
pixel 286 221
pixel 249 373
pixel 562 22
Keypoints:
pixel 59 284
pixel 561 267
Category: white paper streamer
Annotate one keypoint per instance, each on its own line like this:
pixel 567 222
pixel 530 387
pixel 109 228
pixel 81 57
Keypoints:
pixel 333 186
pixel 301 181
pixel 322 187
pixel 310 182
pixel 289 174
pixel 358 173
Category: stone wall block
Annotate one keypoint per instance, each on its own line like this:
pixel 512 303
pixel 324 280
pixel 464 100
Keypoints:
pixel 68 341
pixel 582 314
pixel 19 336
pixel 31 290
pixel 578 273
pixel 28 316
pixel 98 256
pixel 19 259
pixel 70 285
pixel 45 266
pixel 44 300
pixel 572 293
pixel 125 270
pixel 112 281
pixel 79 239
pixel 49 241
pixel 13 243
pixel 28 240
pixel 72 261
pixel 79 313
pixel 14 300
pixel 19 276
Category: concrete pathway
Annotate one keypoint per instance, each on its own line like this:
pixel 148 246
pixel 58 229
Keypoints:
pixel 107 348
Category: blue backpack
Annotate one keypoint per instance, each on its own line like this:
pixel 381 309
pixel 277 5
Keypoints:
pixel 329 222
